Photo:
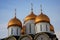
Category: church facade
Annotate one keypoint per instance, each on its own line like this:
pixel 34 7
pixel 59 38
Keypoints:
pixel 35 27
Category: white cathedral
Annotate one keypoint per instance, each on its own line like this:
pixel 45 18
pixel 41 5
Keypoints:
pixel 35 27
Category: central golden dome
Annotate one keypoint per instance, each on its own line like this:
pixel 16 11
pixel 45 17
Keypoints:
pixel 14 22
pixel 42 18
pixel 32 16
pixel 51 28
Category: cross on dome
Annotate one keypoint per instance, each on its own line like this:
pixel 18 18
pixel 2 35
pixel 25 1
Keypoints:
pixel 15 12
pixel 31 6
pixel 41 8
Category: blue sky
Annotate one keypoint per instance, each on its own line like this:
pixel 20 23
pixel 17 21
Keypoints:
pixel 50 7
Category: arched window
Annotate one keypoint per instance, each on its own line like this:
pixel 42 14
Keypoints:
pixel 46 28
pixel 17 31
pixel 41 38
pixel 36 28
pixel 30 27
pixel 11 30
pixel 40 27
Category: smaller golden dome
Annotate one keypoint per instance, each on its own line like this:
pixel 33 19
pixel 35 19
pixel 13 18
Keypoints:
pixel 23 30
pixel 51 28
pixel 14 22
pixel 30 17
pixel 42 18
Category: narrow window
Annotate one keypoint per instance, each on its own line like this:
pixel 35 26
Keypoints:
pixel 41 38
pixel 11 30
pixel 34 26
pixel 17 31
pixel 46 28
pixel 30 28
pixel 41 27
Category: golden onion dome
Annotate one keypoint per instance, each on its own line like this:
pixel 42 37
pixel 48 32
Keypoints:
pixel 51 28
pixel 32 16
pixel 14 22
pixel 42 18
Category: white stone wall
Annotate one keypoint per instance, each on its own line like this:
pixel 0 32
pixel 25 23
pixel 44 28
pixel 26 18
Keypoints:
pixel 28 24
pixel 14 31
pixel 44 24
